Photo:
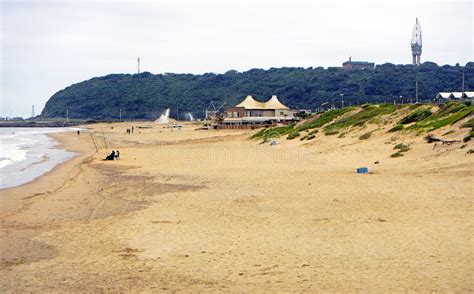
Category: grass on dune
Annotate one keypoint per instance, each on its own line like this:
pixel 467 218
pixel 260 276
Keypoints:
pixel 468 124
pixel 448 114
pixel 396 128
pixel 310 136
pixel 331 131
pixel 402 148
pixel 366 135
pixel 468 137
pixel 421 119
pixel 367 114
pixel 293 131
pixel 415 116
pixel 274 132
pixel 293 135
pixel 324 118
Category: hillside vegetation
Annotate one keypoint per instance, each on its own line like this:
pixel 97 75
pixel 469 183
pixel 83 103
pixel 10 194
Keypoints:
pixel 414 117
pixel 145 95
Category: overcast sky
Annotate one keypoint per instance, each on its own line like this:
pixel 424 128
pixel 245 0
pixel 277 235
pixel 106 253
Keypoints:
pixel 47 46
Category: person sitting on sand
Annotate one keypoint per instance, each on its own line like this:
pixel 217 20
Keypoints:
pixel 111 156
pixel 117 154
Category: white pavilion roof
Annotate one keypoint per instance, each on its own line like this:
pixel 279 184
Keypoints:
pixel 273 103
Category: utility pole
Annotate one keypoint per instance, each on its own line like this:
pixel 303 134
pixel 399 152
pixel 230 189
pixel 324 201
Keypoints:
pixel 33 110
pixel 67 115
pixel 120 115
pixel 342 100
pixel 462 90
pixel 138 64
pixel 416 90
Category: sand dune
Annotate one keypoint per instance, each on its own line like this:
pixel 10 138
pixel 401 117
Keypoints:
pixel 188 210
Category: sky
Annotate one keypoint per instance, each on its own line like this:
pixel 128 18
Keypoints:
pixel 48 45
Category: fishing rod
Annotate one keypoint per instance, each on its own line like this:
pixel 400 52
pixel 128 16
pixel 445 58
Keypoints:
pixel 93 141
pixel 105 141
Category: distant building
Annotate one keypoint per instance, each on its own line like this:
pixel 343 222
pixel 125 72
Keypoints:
pixel 358 64
pixel 253 113
pixel 443 95
pixel 456 95
pixel 416 43
pixel 468 95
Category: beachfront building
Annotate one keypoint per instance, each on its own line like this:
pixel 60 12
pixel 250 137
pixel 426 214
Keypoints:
pixel 253 113
pixel 350 64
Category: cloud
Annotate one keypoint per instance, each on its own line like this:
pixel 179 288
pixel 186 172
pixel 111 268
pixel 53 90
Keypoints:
pixel 46 46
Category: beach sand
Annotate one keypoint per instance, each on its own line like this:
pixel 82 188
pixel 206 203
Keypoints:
pixel 189 211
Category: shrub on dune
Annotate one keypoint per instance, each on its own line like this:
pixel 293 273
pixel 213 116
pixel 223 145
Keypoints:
pixel 396 128
pixel 293 135
pixel 415 116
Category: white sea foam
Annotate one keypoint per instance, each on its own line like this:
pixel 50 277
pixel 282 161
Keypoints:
pixel 13 148
pixel 26 153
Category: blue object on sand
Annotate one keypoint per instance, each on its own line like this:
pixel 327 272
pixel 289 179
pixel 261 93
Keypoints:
pixel 362 170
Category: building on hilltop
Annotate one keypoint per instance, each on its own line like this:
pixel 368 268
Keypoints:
pixel 357 64
pixel 416 43
pixel 253 113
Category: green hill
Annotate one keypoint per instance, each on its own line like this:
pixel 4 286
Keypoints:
pixel 145 95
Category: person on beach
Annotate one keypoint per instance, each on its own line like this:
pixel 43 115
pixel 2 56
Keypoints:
pixel 111 156
pixel 78 132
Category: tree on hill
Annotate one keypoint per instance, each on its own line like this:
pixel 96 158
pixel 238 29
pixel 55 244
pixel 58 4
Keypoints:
pixel 145 95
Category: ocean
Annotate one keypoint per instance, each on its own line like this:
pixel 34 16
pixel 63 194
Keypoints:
pixel 27 153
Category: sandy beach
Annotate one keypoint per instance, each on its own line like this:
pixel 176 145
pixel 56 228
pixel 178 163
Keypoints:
pixel 186 210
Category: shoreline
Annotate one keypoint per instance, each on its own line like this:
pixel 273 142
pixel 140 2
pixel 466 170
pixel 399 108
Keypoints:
pixel 17 241
pixel 41 184
pixel 41 153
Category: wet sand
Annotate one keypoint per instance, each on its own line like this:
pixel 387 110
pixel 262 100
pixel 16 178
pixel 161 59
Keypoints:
pixel 188 210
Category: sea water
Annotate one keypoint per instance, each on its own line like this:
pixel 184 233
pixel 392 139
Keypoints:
pixel 27 153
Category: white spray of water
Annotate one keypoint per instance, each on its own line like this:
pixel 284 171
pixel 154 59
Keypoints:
pixel 164 117
pixel 190 116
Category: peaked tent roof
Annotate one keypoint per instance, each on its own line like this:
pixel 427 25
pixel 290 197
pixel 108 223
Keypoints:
pixel 250 103
pixel 274 103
